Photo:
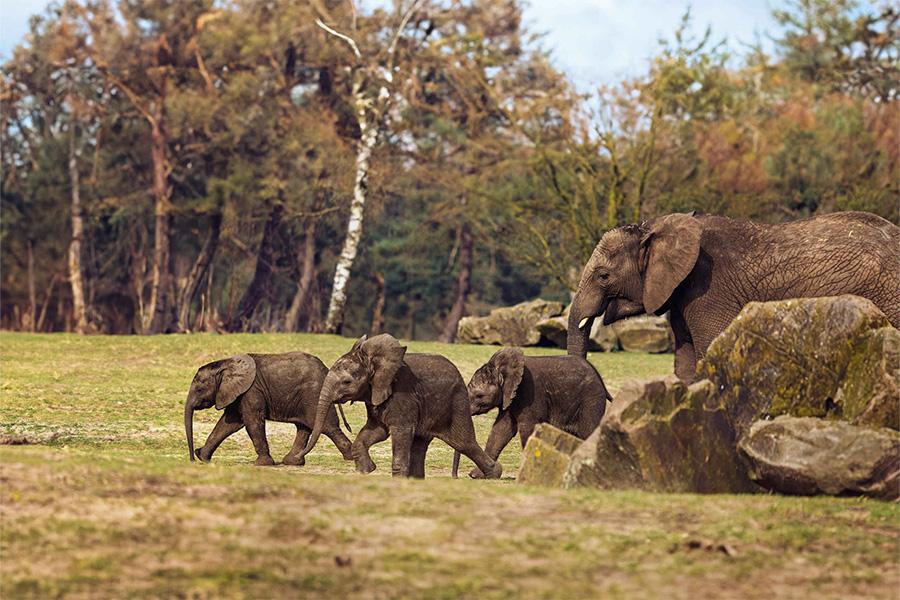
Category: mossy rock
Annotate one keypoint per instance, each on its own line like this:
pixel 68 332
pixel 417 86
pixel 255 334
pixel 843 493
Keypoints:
pixel 661 435
pixel 834 357
pixel 809 456
pixel 546 456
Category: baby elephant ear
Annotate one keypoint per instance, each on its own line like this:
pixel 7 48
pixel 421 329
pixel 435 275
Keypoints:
pixel 509 364
pixel 237 373
pixel 384 356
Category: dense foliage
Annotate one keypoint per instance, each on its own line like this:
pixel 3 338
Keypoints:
pixel 194 165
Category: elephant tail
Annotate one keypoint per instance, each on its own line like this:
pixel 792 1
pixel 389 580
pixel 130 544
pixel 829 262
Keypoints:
pixel 455 472
pixel 343 418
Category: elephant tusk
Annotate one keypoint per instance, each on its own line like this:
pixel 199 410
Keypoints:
pixel 583 323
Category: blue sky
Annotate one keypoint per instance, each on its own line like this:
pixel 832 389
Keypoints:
pixel 595 41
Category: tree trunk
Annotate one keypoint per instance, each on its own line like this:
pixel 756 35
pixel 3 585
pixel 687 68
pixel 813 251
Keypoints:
pixel 198 271
pixel 76 269
pixel 47 297
pixel 159 312
pixel 29 322
pixel 307 273
pixel 463 285
pixel 378 311
pixel 368 137
pixel 262 276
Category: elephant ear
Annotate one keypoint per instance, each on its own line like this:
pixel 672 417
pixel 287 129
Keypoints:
pixel 509 364
pixel 669 251
pixel 384 357
pixel 235 377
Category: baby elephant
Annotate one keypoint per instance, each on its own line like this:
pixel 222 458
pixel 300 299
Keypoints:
pixel 254 387
pixel 564 391
pixel 413 398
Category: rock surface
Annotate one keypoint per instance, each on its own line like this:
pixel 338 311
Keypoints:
pixel 661 435
pixel 546 456
pixel 808 456
pixel 508 326
pixel 646 333
pixel 832 357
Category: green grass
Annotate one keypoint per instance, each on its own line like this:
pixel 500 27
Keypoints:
pixel 109 506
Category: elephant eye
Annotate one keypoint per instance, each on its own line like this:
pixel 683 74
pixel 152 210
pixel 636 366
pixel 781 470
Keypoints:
pixel 346 381
pixel 602 276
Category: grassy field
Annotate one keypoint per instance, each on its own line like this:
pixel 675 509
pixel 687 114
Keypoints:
pixel 106 503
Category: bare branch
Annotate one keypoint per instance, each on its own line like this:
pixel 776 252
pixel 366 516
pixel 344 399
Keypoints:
pixel 340 35
pixel 400 27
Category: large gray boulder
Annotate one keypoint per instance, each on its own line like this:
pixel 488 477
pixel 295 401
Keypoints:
pixel 546 456
pixel 807 456
pixel 835 357
pixel 646 333
pixel 661 435
pixel 508 326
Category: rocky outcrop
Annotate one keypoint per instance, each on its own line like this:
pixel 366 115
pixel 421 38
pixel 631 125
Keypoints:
pixel 646 333
pixel 807 456
pixel 835 357
pixel 546 456
pixel 661 435
pixel 509 326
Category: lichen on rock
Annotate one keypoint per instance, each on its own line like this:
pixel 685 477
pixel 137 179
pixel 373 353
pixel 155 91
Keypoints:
pixel 832 357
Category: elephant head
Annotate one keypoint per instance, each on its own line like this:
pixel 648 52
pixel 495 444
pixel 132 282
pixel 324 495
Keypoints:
pixel 365 373
pixel 218 383
pixel 494 384
pixel 633 270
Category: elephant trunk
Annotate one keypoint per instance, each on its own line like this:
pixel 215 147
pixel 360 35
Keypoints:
pixel 579 330
pixel 321 414
pixel 189 426
pixel 455 472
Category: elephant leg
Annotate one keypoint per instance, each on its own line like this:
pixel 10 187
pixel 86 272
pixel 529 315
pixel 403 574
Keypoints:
pixel 401 450
pixel 253 414
pixel 417 457
pixel 461 437
pixel 229 423
pixel 370 434
pixel 685 353
pixel 340 440
pixel 501 433
pixel 299 444
pixel 525 431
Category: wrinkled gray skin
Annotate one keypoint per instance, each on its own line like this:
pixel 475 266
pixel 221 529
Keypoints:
pixel 251 388
pixel 703 270
pixel 564 391
pixel 413 398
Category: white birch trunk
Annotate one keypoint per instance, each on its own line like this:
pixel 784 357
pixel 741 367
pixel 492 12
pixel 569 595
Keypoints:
pixel 368 138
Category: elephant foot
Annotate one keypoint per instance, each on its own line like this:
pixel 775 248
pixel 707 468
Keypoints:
pixel 495 472
pixel 365 467
pixel 265 461
pixel 199 454
pixel 292 460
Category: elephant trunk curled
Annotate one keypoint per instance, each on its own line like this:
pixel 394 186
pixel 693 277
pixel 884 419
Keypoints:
pixel 325 401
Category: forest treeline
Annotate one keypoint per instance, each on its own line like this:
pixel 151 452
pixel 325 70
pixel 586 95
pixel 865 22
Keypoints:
pixel 271 165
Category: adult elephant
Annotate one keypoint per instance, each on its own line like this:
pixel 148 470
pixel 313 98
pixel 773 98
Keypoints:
pixel 703 269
